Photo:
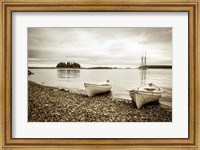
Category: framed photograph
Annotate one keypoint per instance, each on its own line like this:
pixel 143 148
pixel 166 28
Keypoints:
pixel 107 75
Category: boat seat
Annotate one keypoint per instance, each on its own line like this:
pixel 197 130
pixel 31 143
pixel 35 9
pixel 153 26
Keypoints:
pixel 105 84
pixel 149 88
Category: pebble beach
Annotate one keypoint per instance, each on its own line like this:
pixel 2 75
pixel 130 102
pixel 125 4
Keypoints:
pixel 50 104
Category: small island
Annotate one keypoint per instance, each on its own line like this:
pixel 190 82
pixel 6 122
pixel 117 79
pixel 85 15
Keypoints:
pixel 68 65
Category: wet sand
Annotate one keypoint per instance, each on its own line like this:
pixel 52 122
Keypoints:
pixel 50 104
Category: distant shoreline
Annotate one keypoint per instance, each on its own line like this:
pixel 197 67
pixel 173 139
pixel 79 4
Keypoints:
pixel 77 68
pixel 149 67
pixel 156 67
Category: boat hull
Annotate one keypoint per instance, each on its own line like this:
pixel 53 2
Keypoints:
pixel 141 97
pixel 93 89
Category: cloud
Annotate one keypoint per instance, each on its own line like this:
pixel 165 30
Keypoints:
pixel 99 46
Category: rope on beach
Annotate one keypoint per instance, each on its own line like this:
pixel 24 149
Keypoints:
pixel 143 96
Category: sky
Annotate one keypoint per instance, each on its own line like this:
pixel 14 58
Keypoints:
pixel 98 47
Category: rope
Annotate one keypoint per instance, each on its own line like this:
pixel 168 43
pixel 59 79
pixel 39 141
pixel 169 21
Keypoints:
pixel 143 96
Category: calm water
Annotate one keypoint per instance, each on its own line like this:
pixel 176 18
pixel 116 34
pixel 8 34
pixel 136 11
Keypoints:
pixel 122 80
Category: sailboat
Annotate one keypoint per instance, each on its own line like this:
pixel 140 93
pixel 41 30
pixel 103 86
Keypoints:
pixel 143 65
pixel 146 93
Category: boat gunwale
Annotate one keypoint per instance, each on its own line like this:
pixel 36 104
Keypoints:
pixel 144 91
pixel 97 85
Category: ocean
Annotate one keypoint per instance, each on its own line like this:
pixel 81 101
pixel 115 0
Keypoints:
pixel 122 80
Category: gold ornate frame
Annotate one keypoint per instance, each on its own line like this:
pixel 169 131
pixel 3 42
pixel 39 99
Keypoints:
pixel 9 6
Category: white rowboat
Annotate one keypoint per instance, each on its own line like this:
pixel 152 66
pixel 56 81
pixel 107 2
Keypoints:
pixel 94 89
pixel 145 94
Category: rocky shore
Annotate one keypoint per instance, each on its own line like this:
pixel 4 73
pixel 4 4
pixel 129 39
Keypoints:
pixel 29 72
pixel 49 104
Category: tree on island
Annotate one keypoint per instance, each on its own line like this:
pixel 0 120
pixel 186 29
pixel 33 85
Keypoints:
pixel 68 65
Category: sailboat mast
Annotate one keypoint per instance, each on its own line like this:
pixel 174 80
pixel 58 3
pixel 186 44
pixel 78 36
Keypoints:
pixel 142 60
pixel 141 67
pixel 145 61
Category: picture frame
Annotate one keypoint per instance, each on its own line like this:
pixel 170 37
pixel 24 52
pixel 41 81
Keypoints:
pixel 9 6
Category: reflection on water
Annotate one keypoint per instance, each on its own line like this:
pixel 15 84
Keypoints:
pixel 68 73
